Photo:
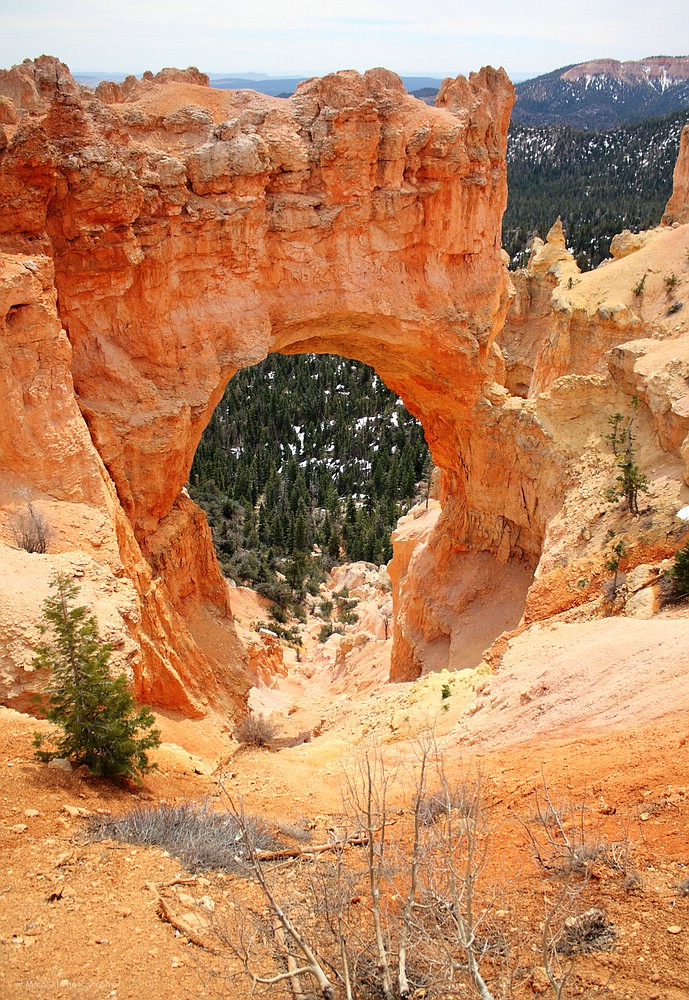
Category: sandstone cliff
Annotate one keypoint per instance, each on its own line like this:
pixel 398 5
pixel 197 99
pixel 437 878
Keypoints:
pixel 678 206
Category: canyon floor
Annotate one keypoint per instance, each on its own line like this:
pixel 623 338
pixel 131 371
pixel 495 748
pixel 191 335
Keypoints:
pixel 596 711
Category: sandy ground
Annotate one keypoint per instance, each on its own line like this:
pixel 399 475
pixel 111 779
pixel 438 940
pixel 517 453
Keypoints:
pixel 596 709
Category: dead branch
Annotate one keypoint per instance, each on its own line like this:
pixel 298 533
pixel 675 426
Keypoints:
pixel 313 967
pixel 292 966
pixel 166 913
pixel 356 840
pixel 179 880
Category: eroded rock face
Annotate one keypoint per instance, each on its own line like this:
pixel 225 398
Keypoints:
pixel 192 231
pixel 579 348
pixel 157 239
pixel 677 209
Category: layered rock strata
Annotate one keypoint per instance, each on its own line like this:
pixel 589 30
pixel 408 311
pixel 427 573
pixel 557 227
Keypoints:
pixel 162 235
pixel 190 232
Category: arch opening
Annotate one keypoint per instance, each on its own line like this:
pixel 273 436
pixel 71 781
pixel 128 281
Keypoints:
pixel 286 506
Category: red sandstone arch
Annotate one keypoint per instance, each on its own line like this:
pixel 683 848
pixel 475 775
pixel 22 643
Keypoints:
pixel 193 231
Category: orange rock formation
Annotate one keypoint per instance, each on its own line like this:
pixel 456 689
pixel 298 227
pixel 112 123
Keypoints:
pixel 158 237
pixel 678 206
pixel 192 231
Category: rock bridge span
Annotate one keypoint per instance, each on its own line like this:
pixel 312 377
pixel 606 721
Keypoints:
pixel 162 235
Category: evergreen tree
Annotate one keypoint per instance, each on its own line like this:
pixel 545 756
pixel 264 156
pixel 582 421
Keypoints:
pixel 101 725
pixel 630 481
pixel 680 569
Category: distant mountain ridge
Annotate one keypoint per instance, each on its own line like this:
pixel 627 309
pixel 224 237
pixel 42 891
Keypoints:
pixel 604 93
pixel 273 86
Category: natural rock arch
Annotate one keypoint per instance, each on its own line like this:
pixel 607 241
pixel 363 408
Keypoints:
pixel 193 231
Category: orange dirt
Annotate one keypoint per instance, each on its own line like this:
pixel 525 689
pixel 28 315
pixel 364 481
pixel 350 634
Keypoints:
pixel 78 919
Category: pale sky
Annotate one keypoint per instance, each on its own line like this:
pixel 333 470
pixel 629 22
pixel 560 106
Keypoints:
pixel 314 37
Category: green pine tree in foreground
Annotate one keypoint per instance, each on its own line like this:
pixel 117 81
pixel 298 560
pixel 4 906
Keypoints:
pixel 680 570
pixel 100 722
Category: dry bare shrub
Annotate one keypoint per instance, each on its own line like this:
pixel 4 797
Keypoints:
pixel 194 832
pixel 295 831
pixel 32 530
pixel 459 798
pixel 386 910
pixel 378 917
pixel 256 731
pixel 588 932
pixel 563 843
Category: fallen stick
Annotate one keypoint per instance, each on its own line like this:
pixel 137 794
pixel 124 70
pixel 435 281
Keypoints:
pixel 179 880
pixel 357 840
pixel 166 913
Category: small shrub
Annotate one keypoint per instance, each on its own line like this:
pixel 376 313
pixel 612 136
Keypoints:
pixel 638 289
pixel 195 833
pixel 345 610
pixel 618 553
pixel 101 725
pixel 327 630
pixel 565 846
pixel 682 887
pixel 671 282
pixel 460 801
pixel 590 931
pixel 256 731
pixel 31 530
pixel 296 831
pixel 288 634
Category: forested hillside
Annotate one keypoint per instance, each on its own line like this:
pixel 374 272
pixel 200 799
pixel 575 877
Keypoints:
pixel 303 452
pixel 598 182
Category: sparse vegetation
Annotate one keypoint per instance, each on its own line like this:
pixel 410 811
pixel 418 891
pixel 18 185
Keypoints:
pixel 563 844
pixel 590 931
pixel 671 282
pixel 388 915
pixel 618 553
pixel 31 529
pixel 100 724
pixel 638 289
pixel 329 629
pixel 680 570
pixel 345 610
pixel 201 837
pixel 255 730
pixel 631 481
pixel 326 609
